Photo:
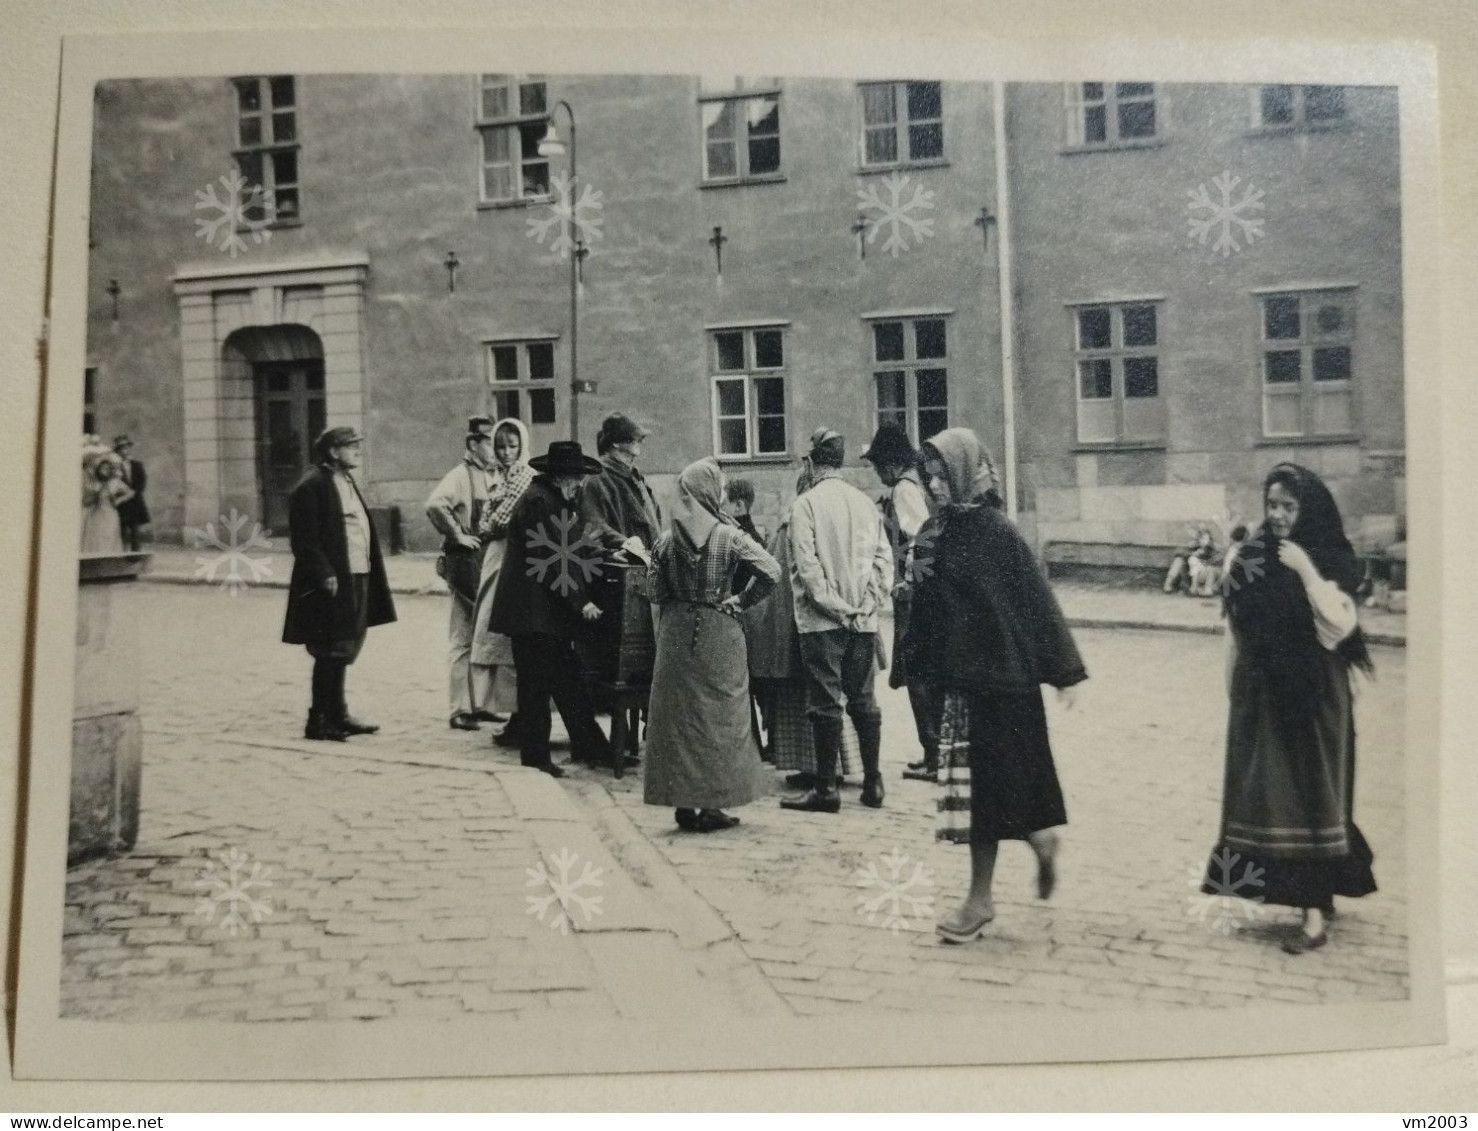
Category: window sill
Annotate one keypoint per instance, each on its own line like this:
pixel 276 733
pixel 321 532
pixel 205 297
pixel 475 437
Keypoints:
pixel 1295 128
pixel 774 459
pixel 902 166
pixel 740 182
pixel 1306 440
pixel 1112 146
pixel 275 225
pixel 521 202
pixel 1121 446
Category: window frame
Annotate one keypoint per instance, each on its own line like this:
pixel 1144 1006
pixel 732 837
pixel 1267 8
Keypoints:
pixel 741 93
pixel 524 383
pixel 1117 353
pixel 901 125
pixel 510 125
pixel 748 375
pixel 267 148
pixel 1300 122
pixel 910 364
pixel 1308 389
pixel 1076 104
pixel 90 379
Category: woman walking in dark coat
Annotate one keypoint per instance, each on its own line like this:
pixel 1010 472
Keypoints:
pixel 702 751
pixel 1287 811
pixel 987 631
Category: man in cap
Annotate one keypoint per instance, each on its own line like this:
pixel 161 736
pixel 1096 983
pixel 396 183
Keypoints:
pixel 905 512
pixel 617 503
pixel 338 589
pixel 454 508
pixel 543 603
pixel 841 570
pixel 133 512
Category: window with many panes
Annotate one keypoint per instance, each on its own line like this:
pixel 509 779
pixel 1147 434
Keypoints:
pixel 1294 107
pixel 741 129
pixel 267 146
pixel 911 374
pixel 1308 367
pixel 902 123
pixel 521 376
pixel 1117 373
pixel 1107 114
pixel 512 118
pixel 748 366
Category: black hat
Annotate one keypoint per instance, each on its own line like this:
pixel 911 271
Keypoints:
pixel 827 448
pixel 890 447
pixel 618 428
pixel 479 424
pixel 566 457
pixel 336 437
pixel 121 439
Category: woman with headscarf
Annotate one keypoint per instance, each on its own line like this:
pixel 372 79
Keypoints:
pixel 986 630
pixel 702 754
pixel 777 675
pixel 1288 834
pixel 492 653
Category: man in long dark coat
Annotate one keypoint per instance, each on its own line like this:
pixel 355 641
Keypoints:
pixel 615 501
pixel 543 603
pixel 339 589
pixel 133 512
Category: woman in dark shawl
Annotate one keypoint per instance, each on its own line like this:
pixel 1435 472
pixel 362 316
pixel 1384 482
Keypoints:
pixel 987 631
pixel 702 753
pixel 1288 836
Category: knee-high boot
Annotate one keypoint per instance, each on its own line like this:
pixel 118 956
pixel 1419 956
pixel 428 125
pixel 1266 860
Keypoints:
pixel 827 736
pixel 323 714
pixel 869 743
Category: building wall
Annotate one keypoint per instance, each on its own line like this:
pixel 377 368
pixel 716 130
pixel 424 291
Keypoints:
pixel 1114 223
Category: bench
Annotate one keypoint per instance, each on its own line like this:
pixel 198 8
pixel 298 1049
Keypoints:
pixel 1111 562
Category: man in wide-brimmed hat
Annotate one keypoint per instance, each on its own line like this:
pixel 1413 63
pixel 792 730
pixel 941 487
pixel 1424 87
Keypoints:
pixel 454 508
pixel 842 569
pixel 905 512
pixel 542 602
pixel 339 589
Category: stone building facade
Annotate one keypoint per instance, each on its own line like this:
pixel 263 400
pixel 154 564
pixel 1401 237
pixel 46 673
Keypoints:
pixel 763 256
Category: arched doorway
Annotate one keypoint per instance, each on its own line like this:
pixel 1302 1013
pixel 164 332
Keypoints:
pixel 284 365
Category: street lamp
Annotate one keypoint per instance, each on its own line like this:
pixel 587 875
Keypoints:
pixel 551 146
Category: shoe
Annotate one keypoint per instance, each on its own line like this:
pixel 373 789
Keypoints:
pixel 817 801
pixel 951 931
pixel 321 728
pixel 507 738
pixel 464 720
pixel 800 780
pixel 687 820
pixel 713 821
pixel 549 768
pixel 488 717
pixel 872 792
pixel 920 774
pixel 1301 942
pixel 350 725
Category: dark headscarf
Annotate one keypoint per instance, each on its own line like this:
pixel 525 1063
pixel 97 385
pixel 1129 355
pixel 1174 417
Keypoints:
pixel 1266 601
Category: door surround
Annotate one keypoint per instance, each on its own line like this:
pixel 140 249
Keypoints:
pixel 327 296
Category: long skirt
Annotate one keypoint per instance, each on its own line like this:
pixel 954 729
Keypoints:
pixel 1288 834
pixel 997 768
pixel 789 730
pixel 493 649
pixel 701 750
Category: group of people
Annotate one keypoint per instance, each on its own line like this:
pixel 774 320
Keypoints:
pixel 792 627
pixel 114 512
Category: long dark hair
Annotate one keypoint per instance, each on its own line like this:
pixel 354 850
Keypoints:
pixel 1266 601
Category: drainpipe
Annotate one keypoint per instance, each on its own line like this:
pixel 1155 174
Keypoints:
pixel 1008 302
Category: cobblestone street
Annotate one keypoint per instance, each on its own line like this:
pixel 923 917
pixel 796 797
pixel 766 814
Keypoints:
pixel 396 869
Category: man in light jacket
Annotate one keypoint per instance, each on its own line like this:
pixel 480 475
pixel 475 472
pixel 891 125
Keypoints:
pixel 841 571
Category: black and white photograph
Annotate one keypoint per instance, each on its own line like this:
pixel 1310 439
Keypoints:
pixel 673 565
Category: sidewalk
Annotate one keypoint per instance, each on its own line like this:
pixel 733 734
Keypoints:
pixel 1087 605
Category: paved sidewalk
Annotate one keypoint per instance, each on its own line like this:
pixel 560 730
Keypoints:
pixel 1087 605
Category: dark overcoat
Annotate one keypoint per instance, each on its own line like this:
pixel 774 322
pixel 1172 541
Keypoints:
pixel 617 504
pixel 543 584
pixel 134 511
pixel 320 551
